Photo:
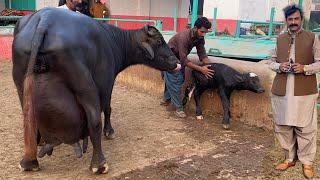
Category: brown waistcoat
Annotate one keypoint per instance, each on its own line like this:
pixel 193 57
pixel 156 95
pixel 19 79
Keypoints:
pixel 303 85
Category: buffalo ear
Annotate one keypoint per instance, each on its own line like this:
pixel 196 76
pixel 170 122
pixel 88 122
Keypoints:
pixel 148 50
pixel 149 30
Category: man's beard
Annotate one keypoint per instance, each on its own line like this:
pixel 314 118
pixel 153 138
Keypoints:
pixel 78 7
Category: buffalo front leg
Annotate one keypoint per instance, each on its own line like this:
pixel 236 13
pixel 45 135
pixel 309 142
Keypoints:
pixel 108 131
pixel 225 100
pixel 197 97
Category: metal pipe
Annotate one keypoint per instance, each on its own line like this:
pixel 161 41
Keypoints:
pixel 194 12
pixel 175 17
pixel 214 21
pixel 271 21
pixel 159 25
pixel 238 29
pixel 300 3
pixel 126 20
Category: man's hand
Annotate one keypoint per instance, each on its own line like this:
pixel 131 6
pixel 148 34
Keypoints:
pixel 284 67
pixel 298 68
pixel 207 72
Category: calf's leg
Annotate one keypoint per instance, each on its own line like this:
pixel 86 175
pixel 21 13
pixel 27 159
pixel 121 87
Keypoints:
pixel 225 100
pixel 197 96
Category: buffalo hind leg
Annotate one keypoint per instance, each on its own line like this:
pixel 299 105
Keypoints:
pixel 90 102
pixel 225 100
pixel 87 96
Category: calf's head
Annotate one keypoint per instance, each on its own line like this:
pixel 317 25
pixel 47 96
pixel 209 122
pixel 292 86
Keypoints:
pixel 155 52
pixel 252 83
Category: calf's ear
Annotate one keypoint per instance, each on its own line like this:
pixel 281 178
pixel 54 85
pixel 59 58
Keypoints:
pixel 238 78
pixel 148 50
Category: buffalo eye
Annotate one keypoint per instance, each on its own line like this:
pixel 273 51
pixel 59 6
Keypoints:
pixel 159 42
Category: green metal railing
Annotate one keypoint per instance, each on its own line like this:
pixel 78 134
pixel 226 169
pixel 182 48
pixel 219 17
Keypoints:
pixel 194 12
pixel 214 21
pixel 271 23
pixel 156 23
pixel 117 20
pixel 9 18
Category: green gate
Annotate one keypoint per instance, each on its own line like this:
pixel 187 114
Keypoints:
pixel 21 4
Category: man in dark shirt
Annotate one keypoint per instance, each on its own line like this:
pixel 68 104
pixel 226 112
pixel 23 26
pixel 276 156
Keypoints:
pixel 181 45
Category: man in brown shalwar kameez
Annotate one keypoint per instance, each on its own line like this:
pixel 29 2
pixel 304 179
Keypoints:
pixel 296 59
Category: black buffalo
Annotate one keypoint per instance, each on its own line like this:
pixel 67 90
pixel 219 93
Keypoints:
pixel 64 68
pixel 226 80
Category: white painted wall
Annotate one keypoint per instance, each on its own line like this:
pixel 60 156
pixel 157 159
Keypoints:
pixel 254 10
pixel 163 8
pixel 158 8
pixel 279 5
pixel 183 8
pixel 2 5
pixel 257 10
pixel 227 9
pixel 130 7
pixel 46 3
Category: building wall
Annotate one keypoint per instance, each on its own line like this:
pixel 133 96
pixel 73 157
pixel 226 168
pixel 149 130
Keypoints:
pixel 226 9
pixel 150 9
pixel 278 5
pixel 130 7
pixel 2 5
pixel 46 3
pixel 228 12
pixel 254 10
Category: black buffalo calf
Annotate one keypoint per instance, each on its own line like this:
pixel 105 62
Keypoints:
pixel 225 79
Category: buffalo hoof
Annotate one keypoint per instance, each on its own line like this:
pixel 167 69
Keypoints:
pixel 226 126
pixel 77 149
pixel 109 135
pixel 199 117
pixel 26 165
pixel 101 170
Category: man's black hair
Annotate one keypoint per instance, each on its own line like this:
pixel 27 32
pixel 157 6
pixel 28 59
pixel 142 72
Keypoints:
pixel 292 9
pixel 202 22
pixel 62 2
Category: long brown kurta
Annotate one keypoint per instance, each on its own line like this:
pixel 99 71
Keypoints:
pixel 295 117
